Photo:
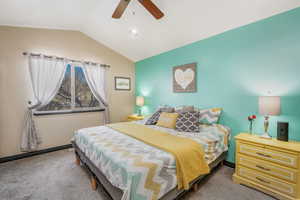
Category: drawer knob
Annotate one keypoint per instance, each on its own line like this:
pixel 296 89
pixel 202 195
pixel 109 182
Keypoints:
pixel 262 180
pixel 263 168
pixel 264 155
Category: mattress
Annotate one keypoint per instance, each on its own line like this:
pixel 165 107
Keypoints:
pixel 139 170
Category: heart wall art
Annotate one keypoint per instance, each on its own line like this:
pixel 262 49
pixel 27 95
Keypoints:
pixel 185 78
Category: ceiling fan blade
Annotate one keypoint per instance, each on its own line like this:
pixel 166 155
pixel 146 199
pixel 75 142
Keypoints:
pixel 120 9
pixel 152 8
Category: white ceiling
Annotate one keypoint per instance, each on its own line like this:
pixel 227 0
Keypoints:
pixel 185 21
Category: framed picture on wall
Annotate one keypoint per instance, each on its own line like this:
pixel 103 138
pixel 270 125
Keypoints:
pixel 122 83
pixel 185 78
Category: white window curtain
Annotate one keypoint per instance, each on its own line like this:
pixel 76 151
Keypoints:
pixel 96 79
pixel 46 74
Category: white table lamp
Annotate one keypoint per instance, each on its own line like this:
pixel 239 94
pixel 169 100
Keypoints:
pixel 140 101
pixel 268 106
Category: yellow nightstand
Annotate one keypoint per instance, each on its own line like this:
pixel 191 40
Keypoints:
pixel 131 118
pixel 269 165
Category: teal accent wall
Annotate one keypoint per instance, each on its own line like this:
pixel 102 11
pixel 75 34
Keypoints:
pixel 233 69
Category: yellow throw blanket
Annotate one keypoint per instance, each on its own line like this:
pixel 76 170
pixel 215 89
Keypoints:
pixel 189 155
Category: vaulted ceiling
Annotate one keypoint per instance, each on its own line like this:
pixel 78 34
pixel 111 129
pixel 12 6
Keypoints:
pixel 185 21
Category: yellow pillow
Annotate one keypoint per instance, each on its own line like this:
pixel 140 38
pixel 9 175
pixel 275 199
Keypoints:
pixel 167 120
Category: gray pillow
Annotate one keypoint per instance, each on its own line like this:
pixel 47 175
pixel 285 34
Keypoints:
pixel 188 122
pixel 167 109
pixel 184 109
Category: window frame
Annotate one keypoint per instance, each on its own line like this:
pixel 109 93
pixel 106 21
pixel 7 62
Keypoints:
pixel 73 108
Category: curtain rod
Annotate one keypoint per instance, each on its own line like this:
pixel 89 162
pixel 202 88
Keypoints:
pixel 61 58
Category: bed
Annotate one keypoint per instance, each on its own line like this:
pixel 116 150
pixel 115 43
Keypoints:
pixel 104 151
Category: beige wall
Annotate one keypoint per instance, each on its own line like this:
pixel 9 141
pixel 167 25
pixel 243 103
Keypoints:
pixel 55 130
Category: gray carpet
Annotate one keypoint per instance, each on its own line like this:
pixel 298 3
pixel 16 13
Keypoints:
pixel 54 176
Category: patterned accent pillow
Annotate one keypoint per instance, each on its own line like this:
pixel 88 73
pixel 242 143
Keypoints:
pixel 154 118
pixel 188 122
pixel 210 116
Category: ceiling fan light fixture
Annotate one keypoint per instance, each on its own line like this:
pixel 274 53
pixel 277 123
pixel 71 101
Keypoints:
pixel 134 32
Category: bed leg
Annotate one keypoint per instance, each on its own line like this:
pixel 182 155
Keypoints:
pixel 77 159
pixel 222 163
pixel 94 183
pixel 195 187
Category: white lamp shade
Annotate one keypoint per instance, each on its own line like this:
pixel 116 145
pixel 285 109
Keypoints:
pixel 140 101
pixel 269 105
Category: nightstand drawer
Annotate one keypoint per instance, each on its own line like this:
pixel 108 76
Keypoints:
pixel 268 168
pixel 267 181
pixel 261 152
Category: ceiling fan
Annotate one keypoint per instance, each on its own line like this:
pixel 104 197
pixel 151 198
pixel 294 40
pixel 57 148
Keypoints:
pixel 148 4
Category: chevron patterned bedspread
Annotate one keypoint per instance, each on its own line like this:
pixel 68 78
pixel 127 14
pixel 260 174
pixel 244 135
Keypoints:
pixel 143 172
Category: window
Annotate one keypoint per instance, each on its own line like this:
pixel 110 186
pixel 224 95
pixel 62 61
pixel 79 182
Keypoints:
pixel 74 95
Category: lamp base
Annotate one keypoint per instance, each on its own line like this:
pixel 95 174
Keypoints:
pixel 140 112
pixel 266 136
